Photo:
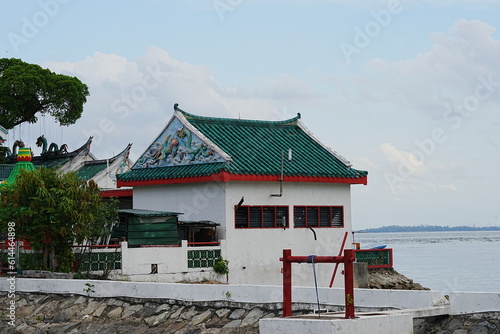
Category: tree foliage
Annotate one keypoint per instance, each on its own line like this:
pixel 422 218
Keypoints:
pixel 27 90
pixel 52 211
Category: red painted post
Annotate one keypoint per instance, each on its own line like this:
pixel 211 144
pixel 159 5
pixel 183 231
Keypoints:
pixel 287 283
pixel 337 263
pixel 349 258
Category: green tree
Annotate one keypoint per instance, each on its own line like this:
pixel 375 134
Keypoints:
pixel 27 90
pixel 52 211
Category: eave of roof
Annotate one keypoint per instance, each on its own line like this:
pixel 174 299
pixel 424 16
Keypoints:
pixel 4 130
pixel 226 177
pixel 126 192
pixel 258 150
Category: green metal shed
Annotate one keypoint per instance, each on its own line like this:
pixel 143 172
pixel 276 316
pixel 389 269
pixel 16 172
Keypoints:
pixel 147 227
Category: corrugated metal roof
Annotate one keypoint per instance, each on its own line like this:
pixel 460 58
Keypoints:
pixel 198 222
pixel 148 213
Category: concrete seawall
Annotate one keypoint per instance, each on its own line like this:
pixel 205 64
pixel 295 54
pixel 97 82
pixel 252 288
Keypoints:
pixel 83 306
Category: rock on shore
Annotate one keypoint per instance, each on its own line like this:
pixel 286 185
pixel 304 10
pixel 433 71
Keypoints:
pixel 388 278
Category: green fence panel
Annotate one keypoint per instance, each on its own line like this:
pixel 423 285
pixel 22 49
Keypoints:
pixel 202 258
pixel 96 261
pixel 375 258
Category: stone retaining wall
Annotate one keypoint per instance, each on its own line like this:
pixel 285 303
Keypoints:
pixel 55 313
pixel 474 323
pixel 58 313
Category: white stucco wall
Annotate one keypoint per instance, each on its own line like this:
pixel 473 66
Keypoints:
pixel 107 177
pixel 254 254
pixel 171 263
pixel 197 201
pixel 75 163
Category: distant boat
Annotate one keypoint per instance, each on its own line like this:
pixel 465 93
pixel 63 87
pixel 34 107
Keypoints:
pixel 374 247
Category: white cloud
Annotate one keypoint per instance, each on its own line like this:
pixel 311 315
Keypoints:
pixel 131 101
pixel 447 73
pixel 408 172
pixel 396 158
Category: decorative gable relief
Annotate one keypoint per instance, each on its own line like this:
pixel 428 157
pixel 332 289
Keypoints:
pixel 176 146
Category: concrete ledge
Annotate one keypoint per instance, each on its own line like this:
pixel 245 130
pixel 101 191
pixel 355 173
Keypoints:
pixel 474 302
pixel 365 323
pixel 364 298
pixel 367 298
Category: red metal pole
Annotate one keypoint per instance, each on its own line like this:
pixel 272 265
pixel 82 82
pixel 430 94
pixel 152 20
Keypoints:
pixel 349 258
pixel 337 264
pixel 317 259
pixel 287 283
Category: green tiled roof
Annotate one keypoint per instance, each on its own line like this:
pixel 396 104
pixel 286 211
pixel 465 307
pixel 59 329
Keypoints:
pixel 255 148
pixel 88 171
pixel 94 167
pixel 172 172
pixel 51 162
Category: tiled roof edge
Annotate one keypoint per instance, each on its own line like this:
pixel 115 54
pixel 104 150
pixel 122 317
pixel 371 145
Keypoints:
pixel 236 120
pixel 304 128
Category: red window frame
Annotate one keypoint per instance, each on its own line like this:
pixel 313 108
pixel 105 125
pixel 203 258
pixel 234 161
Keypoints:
pixel 256 216
pixel 305 216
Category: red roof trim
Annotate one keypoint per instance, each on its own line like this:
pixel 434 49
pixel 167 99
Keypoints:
pixel 117 193
pixel 225 177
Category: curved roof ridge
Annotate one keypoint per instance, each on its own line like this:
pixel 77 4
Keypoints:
pixel 291 121
pixel 112 159
pixel 84 148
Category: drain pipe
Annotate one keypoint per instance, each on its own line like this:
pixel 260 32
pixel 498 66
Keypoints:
pixel 281 176
pixel 314 232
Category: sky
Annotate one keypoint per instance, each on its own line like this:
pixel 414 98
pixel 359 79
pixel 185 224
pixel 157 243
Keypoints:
pixel 407 90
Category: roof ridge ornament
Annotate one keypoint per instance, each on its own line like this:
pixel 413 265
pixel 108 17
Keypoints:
pixel 193 116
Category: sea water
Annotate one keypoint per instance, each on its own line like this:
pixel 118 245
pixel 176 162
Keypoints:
pixel 444 261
